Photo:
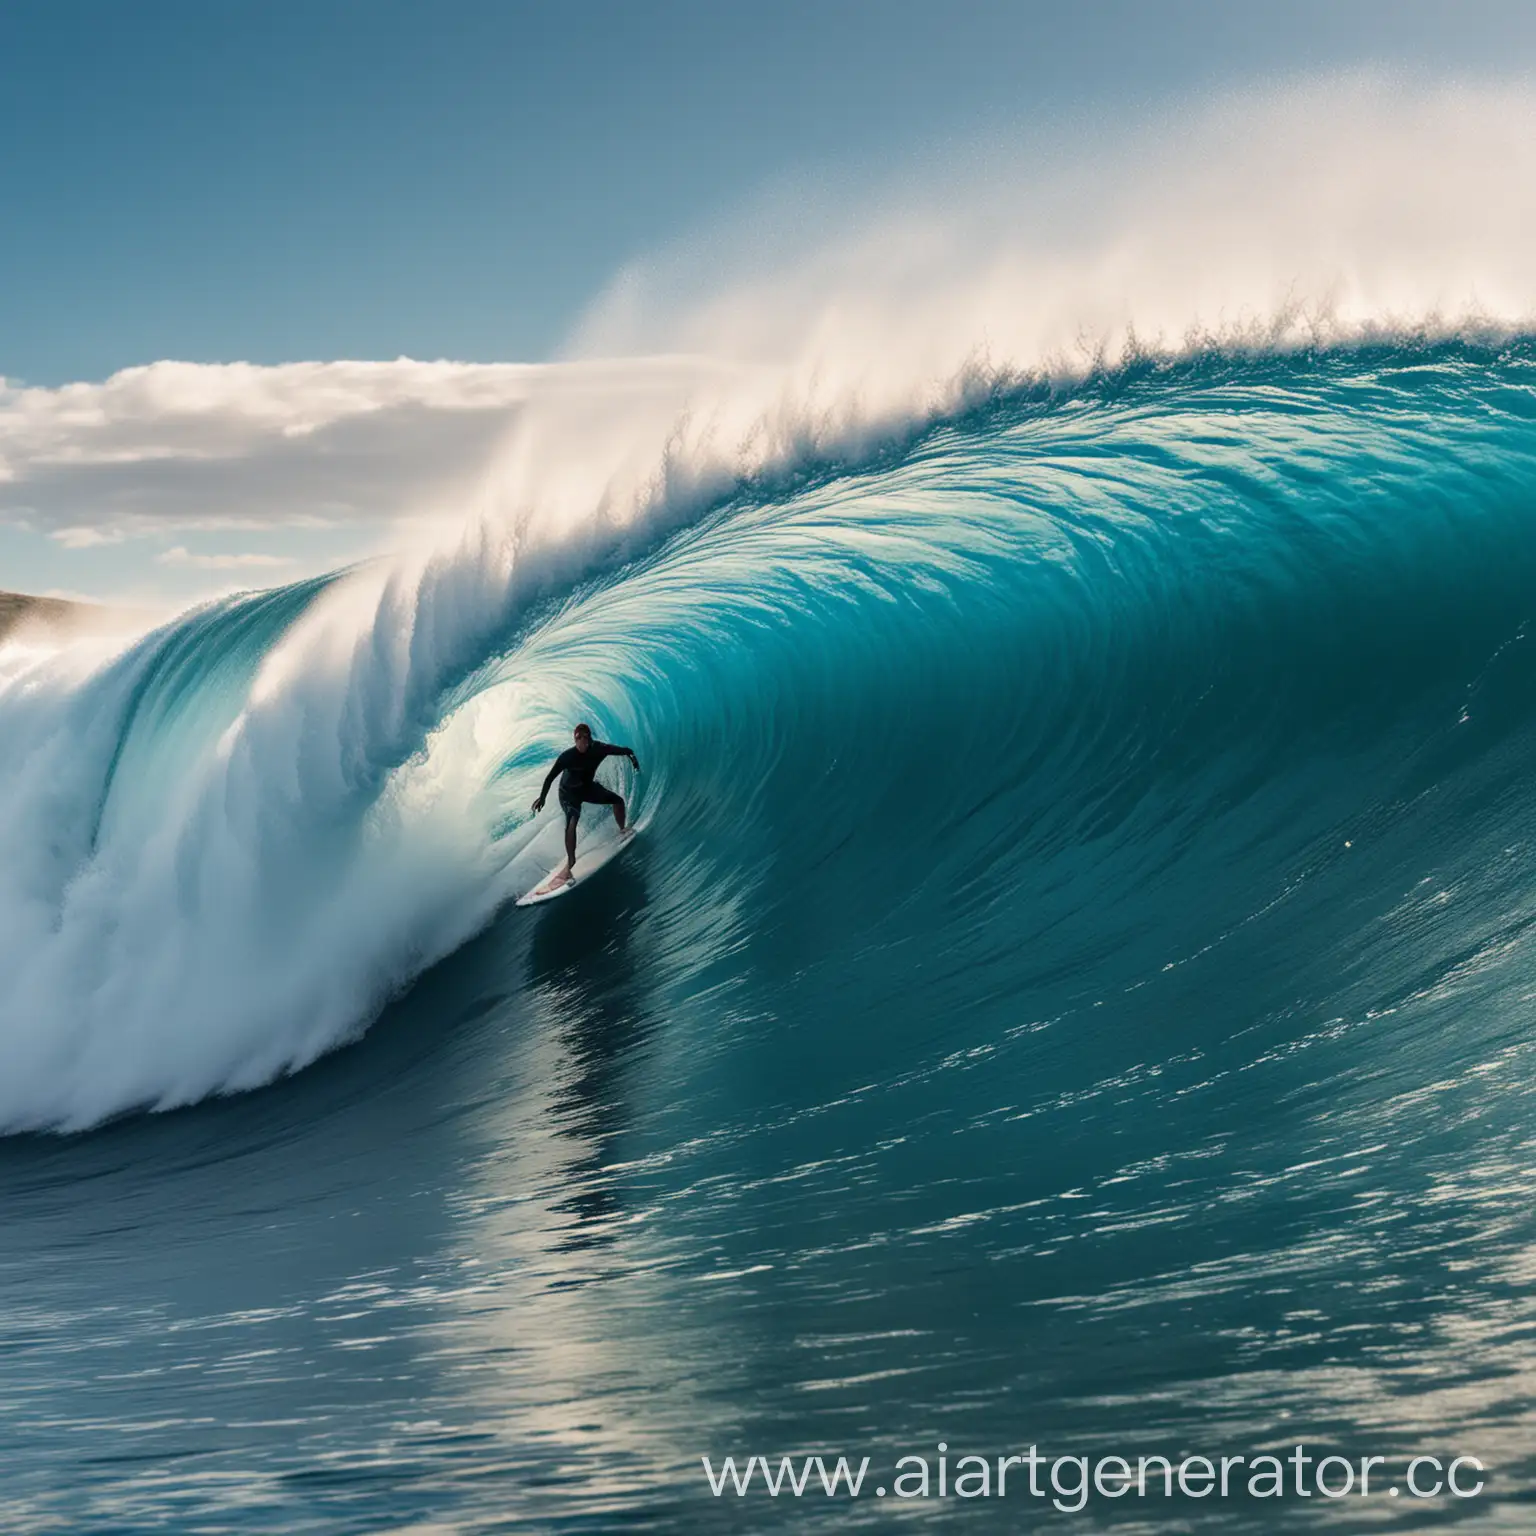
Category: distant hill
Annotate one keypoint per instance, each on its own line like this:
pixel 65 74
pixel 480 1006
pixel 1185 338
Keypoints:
pixel 14 607
pixel 77 618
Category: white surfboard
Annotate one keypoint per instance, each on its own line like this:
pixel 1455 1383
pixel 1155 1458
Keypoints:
pixel 588 862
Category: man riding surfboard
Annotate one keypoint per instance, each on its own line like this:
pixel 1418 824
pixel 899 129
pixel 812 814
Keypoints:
pixel 577 767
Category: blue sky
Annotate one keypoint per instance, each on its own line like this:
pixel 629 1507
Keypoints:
pixel 282 181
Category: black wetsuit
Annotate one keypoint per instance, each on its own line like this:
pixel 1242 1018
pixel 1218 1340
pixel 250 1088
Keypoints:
pixel 578 778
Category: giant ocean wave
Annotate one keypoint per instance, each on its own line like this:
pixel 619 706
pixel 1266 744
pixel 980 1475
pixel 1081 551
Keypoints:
pixel 1042 667
pixel 1061 690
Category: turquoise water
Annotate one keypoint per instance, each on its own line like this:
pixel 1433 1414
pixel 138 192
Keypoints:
pixel 1074 988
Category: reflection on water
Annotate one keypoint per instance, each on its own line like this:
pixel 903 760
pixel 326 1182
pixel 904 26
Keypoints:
pixel 584 973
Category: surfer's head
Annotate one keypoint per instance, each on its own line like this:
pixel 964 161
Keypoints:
pixel 583 737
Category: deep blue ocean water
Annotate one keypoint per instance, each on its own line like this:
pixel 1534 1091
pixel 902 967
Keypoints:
pixel 1074 988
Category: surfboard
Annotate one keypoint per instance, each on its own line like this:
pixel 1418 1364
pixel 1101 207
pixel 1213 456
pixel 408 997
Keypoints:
pixel 588 862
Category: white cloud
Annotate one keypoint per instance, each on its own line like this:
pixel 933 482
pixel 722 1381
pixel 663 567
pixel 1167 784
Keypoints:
pixel 140 487
pixel 171 410
pixel 179 554
pixel 77 537
pixel 175 446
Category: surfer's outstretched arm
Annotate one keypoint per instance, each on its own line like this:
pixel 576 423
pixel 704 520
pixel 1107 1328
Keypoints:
pixel 628 752
pixel 549 778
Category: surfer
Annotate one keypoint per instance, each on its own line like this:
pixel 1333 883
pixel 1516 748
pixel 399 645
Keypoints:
pixel 577 767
